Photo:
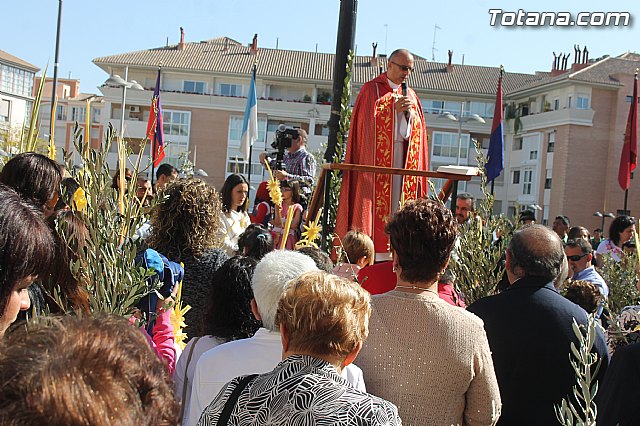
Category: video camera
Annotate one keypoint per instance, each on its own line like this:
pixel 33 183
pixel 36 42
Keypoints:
pixel 284 137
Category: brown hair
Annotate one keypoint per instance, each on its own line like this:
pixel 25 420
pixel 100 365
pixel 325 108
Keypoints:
pixel 186 219
pixel 422 236
pixel 584 294
pixel 78 371
pixel 324 314
pixel 71 235
pixel 356 245
pixel 26 243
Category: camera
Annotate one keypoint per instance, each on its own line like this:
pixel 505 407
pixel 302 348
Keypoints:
pixel 284 137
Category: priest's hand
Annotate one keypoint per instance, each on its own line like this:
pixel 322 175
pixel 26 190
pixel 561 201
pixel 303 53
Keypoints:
pixel 403 103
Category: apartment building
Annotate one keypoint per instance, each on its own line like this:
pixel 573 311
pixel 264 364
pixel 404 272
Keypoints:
pixel 16 93
pixel 71 108
pixel 554 120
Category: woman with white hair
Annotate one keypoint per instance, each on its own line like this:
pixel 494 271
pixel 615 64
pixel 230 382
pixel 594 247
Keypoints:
pixel 323 320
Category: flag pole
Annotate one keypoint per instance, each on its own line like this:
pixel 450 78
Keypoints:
pixel 629 156
pixel 626 196
pixel 253 76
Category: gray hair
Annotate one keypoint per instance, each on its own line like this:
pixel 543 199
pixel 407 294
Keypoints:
pixel 272 274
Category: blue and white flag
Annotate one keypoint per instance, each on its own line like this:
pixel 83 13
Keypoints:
pixel 250 123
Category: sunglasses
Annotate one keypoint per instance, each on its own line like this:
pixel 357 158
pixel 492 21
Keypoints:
pixel 577 257
pixel 402 67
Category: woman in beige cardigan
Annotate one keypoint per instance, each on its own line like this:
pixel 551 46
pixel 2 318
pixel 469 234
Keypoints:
pixel 429 358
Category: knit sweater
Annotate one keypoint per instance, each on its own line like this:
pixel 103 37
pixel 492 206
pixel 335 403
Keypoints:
pixel 195 287
pixel 431 359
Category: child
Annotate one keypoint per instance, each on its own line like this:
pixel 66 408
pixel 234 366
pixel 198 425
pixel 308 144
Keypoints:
pixel 357 252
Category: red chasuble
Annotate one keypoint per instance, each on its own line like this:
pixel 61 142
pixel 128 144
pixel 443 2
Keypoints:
pixel 365 198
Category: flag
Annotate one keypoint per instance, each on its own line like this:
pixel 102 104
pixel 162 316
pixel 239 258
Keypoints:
pixel 250 123
pixel 495 155
pixel 629 158
pixel 155 131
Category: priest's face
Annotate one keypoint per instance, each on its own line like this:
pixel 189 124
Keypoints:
pixel 399 67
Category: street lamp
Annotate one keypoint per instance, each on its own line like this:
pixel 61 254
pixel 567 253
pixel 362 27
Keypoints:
pixel 117 81
pixel 461 119
pixel 604 215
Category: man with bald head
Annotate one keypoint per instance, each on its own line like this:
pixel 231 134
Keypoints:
pixel 387 130
pixel 529 327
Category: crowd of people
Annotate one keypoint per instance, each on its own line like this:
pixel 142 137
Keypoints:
pixel 280 334
pixel 287 336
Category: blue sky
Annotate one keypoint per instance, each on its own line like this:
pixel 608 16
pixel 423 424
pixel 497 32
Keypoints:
pixel 92 29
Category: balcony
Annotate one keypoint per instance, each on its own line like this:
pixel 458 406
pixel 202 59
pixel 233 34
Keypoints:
pixel 571 116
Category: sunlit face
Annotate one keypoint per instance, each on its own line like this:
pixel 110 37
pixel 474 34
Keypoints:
pixel 239 195
pixel 578 261
pixel 18 301
pixel 50 205
pixel 560 228
pixel 286 193
pixel 399 67
pixel 627 234
pixel 463 209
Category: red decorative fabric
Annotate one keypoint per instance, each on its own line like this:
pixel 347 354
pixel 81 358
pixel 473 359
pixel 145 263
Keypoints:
pixel 365 198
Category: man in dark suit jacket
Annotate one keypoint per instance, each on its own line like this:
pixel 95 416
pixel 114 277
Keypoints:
pixel 529 327
pixel 619 394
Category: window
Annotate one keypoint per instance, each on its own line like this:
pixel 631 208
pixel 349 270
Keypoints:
pixel 5 107
pixel 230 89
pixel 237 165
pixel 556 104
pixel 569 101
pixel 446 145
pixel 533 155
pixel 526 183
pixel 61 113
pixel 515 177
pixel 552 142
pixel 235 129
pixel 28 105
pixel 483 109
pixel 95 115
pixel 176 123
pixel 433 107
pixel 78 114
pixel 517 144
pixel 194 87
pixel 582 102
pixel 15 80
pixel 547 183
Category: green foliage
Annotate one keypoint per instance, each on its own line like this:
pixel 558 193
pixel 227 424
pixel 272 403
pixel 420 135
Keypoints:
pixel 335 181
pixel 114 283
pixel 586 364
pixel 476 261
pixel 514 113
pixel 621 277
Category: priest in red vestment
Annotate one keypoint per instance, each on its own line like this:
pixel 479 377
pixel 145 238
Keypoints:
pixel 387 130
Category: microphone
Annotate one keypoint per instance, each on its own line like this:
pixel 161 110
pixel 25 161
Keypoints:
pixel 404 93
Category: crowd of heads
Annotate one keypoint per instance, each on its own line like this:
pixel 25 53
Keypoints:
pixel 42 237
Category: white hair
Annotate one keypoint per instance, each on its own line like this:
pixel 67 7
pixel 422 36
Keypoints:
pixel 271 275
